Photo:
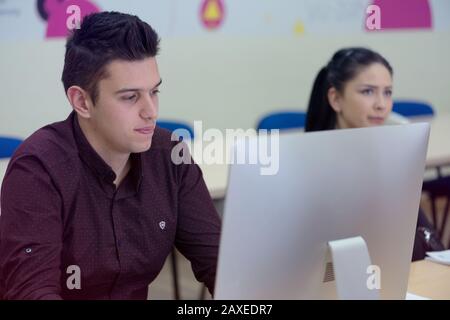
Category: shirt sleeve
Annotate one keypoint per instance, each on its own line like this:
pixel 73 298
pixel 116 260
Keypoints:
pixel 30 232
pixel 198 229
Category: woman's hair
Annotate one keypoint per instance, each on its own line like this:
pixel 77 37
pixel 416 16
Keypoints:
pixel 343 67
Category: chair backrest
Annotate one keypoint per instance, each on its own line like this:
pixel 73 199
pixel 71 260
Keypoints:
pixel 174 125
pixel 410 108
pixel 8 145
pixel 283 120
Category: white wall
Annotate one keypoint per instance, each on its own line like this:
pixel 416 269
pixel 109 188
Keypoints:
pixel 227 82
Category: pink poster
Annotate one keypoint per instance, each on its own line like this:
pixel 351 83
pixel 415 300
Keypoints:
pixel 56 13
pixel 401 14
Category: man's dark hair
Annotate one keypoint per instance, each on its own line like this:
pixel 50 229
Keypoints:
pixel 102 38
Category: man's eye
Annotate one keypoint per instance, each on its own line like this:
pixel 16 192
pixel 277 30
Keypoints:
pixel 388 93
pixel 367 91
pixel 129 98
pixel 155 92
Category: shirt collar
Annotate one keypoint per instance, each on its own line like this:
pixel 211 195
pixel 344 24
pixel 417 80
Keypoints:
pixel 93 160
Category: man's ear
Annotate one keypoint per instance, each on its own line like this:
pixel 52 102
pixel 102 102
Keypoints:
pixel 80 101
pixel 334 99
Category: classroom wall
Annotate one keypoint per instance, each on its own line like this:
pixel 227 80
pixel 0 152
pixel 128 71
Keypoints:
pixel 226 80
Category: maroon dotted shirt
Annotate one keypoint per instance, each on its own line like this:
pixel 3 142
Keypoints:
pixel 61 210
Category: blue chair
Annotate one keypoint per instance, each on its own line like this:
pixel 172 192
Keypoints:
pixel 8 145
pixel 283 120
pixel 188 134
pixel 175 125
pixel 410 108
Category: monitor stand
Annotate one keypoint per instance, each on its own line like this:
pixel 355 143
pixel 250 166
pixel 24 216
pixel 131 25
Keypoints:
pixel 353 270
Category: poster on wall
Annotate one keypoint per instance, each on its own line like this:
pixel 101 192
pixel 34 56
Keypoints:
pixel 50 19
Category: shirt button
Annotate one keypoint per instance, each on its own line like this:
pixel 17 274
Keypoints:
pixel 28 250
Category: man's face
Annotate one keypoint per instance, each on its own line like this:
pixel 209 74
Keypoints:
pixel 124 116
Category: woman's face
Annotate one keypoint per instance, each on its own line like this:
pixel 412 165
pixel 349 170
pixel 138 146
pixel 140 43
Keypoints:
pixel 366 99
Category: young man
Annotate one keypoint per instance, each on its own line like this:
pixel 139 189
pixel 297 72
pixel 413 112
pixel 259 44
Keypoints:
pixel 97 196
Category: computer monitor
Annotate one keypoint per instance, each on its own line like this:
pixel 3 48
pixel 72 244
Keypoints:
pixel 330 185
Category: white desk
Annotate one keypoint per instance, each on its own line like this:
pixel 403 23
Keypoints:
pixel 3 165
pixel 439 144
pixel 216 179
pixel 438 154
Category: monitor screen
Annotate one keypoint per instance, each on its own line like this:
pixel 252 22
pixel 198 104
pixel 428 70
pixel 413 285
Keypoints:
pixel 330 185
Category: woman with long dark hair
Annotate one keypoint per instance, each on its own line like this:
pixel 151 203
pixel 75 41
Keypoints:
pixel 354 90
